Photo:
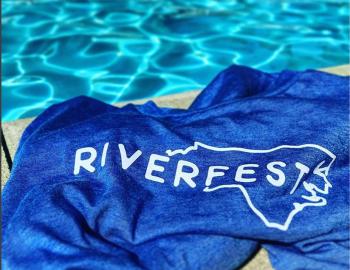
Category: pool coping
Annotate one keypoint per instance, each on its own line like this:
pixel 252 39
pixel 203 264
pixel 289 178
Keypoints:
pixel 12 131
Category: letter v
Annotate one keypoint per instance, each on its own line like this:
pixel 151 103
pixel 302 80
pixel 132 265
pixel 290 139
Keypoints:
pixel 126 162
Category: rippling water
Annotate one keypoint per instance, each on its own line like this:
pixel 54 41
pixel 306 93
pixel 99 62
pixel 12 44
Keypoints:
pixel 124 50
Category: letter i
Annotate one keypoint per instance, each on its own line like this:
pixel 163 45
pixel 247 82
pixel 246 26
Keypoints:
pixel 104 153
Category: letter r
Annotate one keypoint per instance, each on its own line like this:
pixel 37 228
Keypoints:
pixel 84 163
pixel 185 176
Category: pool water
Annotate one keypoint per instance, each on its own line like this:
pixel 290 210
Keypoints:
pixel 125 50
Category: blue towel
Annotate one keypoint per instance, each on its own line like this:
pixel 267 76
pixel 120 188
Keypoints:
pixel 257 159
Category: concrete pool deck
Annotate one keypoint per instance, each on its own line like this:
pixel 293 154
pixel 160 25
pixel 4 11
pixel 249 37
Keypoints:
pixel 12 132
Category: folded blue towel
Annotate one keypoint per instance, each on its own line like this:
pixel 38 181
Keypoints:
pixel 257 159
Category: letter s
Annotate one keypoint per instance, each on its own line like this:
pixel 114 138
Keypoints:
pixel 281 176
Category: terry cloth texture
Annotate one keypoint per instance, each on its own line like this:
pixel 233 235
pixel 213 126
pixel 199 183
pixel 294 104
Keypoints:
pixel 257 159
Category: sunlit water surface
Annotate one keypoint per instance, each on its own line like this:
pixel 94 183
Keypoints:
pixel 125 50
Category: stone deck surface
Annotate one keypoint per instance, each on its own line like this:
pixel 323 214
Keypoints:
pixel 13 130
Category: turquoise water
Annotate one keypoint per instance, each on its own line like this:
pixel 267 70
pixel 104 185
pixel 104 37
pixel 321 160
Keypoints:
pixel 124 50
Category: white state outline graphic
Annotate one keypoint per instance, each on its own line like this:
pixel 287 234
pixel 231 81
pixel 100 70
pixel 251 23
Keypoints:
pixel 314 199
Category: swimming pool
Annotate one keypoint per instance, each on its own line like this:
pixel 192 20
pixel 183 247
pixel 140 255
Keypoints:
pixel 124 50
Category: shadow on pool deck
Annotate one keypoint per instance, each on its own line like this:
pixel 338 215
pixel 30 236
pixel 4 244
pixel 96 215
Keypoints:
pixel 12 131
